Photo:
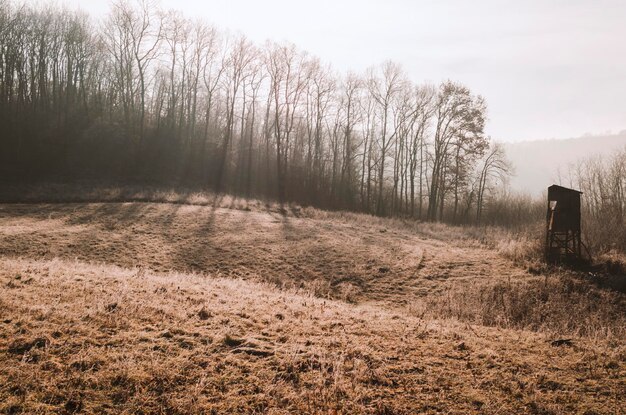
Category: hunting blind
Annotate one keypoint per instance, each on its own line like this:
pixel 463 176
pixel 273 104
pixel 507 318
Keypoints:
pixel 563 241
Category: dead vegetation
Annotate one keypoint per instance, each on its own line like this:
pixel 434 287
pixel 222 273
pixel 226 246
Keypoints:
pixel 95 193
pixel 65 349
pixel 183 309
pixel 351 257
pixel 560 305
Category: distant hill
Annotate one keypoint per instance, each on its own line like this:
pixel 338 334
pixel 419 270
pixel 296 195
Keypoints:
pixel 537 163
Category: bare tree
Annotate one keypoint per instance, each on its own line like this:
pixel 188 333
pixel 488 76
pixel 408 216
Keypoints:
pixel 242 54
pixel 287 72
pixel 134 35
pixel 458 114
pixel 494 166
pixel 350 101
pixel 176 98
pixel 383 91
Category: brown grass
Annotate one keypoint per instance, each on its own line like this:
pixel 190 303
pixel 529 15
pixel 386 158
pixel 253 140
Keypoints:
pixel 79 337
pixel 349 257
pixel 102 193
pixel 183 309
pixel 560 305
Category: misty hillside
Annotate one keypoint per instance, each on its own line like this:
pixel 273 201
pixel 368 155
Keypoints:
pixel 538 163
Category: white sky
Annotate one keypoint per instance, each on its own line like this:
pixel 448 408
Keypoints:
pixel 548 68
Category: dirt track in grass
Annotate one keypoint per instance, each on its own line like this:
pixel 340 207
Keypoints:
pixel 356 260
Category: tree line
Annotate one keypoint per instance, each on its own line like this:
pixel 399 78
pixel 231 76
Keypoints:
pixel 602 179
pixel 147 94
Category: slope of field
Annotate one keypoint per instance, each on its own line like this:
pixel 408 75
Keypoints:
pixel 160 308
pixel 359 259
pixel 85 338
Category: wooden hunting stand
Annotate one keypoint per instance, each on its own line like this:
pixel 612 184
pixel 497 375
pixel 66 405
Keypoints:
pixel 563 241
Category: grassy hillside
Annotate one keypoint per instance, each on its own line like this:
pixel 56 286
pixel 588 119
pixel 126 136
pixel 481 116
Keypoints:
pixel 79 337
pixel 347 256
pixel 231 307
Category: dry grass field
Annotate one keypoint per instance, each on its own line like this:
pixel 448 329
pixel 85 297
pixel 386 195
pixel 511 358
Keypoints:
pixel 204 306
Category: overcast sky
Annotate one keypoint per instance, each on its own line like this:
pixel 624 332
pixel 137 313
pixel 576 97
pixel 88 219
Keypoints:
pixel 548 68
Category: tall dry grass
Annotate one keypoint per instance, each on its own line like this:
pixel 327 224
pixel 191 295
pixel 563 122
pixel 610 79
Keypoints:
pixel 97 193
pixel 559 302
pixel 559 305
pixel 514 223
pixel 86 338
pixel 590 305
